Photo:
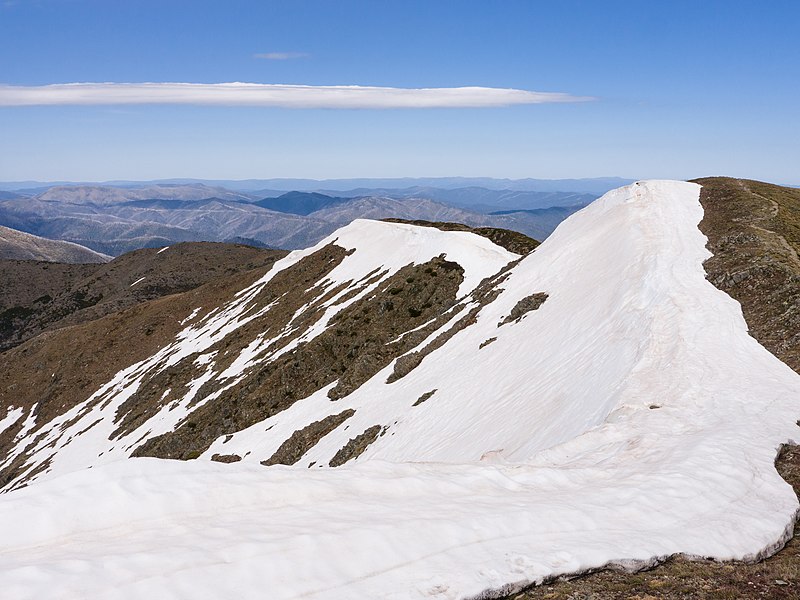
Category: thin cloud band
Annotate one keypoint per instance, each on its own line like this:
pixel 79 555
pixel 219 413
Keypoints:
pixel 273 95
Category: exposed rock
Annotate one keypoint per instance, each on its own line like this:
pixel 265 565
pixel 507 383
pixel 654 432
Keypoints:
pixel 523 307
pixel 226 458
pixel 487 342
pixel 18 245
pixel 486 293
pixel 72 294
pixel 424 397
pixel 753 230
pixel 302 440
pixel 56 370
pixel 356 446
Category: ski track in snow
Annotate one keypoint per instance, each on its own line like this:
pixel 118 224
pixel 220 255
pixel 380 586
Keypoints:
pixel 629 418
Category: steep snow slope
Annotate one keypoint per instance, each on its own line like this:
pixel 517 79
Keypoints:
pixel 628 418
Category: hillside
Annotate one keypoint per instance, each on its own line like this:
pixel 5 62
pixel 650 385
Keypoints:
pixel 45 296
pixel 300 203
pixel 18 245
pixel 754 233
pixel 405 411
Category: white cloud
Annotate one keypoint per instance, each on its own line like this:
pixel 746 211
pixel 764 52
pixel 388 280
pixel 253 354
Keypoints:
pixel 272 95
pixel 281 55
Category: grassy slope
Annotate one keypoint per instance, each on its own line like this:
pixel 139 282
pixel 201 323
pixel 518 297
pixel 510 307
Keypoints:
pixel 58 369
pixel 42 296
pixel 753 230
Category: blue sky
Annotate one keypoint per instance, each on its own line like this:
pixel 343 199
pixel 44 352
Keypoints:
pixel 680 89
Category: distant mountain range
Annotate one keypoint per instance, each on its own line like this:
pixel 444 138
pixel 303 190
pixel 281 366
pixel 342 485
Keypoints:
pixel 107 195
pixel 114 219
pixel 597 185
pixel 476 198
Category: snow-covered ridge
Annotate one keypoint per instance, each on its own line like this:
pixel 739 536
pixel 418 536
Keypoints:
pixel 628 418
pixel 82 436
pixel 394 245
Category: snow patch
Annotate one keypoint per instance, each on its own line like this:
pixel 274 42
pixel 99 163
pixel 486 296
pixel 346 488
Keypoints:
pixel 12 416
pixel 191 316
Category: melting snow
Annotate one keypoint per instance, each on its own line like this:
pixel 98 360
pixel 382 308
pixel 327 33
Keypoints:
pixel 12 416
pixel 29 423
pixel 191 316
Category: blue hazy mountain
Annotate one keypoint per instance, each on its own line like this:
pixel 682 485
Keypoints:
pixel 300 203
pixel 114 219
pixel 596 185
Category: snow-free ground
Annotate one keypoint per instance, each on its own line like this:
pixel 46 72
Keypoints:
pixel 629 418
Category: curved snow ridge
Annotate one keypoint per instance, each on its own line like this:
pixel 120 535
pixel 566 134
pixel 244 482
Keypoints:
pixel 392 246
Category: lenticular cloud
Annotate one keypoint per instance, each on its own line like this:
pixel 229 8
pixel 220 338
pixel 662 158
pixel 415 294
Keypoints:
pixel 273 95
